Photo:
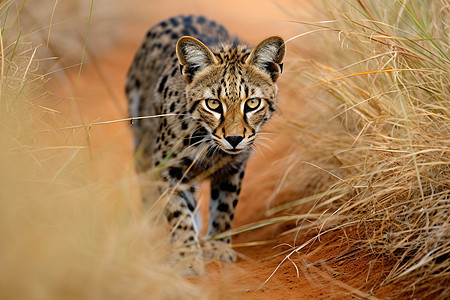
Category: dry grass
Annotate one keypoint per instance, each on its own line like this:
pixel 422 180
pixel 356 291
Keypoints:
pixel 64 233
pixel 374 156
pixel 57 29
pixel 383 150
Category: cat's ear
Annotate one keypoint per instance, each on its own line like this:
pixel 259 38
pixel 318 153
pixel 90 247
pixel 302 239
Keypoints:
pixel 268 56
pixel 194 56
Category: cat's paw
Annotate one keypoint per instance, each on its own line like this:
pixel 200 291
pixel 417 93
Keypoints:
pixel 188 263
pixel 218 250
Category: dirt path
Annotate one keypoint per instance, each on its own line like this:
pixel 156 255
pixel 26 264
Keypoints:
pixel 100 98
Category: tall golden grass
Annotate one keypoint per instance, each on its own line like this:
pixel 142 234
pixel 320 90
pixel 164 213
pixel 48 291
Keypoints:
pixel 65 234
pixel 382 137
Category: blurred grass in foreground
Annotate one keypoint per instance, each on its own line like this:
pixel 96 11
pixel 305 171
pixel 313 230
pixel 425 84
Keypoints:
pixel 65 234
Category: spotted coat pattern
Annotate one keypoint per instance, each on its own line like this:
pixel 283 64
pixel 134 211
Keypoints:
pixel 211 94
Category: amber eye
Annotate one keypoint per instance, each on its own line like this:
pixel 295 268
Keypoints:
pixel 213 104
pixel 252 104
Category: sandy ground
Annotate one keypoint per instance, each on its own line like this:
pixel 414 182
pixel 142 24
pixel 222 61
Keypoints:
pixel 100 97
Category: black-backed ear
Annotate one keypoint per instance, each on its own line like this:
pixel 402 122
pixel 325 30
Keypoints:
pixel 194 56
pixel 268 56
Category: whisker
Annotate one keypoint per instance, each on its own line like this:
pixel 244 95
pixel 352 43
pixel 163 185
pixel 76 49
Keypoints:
pixel 268 133
pixel 255 148
pixel 203 152
pixel 259 143
pixel 263 138
pixel 194 145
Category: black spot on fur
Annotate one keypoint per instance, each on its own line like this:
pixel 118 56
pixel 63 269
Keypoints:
pixel 225 186
pixel 176 173
pixel 235 202
pixel 219 91
pixel 194 105
pixel 187 20
pixel 190 30
pixel 174 72
pixel 270 106
pixel 162 83
pixel 198 136
pixel 172 107
pixel 174 22
pixel 223 207
pixel 234 170
pixel 190 71
pixel 166 48
pixel 188 161
pixel 156 46
pixel 215 194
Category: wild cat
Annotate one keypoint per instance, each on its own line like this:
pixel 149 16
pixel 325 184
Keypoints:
pixel 216 93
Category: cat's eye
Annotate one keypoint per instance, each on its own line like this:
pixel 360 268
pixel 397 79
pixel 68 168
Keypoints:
pixel 213 104
pixel 252 104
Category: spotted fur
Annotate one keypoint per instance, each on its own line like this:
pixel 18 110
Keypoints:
pixel 215 93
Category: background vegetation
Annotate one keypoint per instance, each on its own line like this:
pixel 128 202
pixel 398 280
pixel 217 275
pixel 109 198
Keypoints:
pixel 380 137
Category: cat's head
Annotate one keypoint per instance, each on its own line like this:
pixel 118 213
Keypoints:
pixel 232 91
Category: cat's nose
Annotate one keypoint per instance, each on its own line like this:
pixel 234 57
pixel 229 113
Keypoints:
pixel 234 140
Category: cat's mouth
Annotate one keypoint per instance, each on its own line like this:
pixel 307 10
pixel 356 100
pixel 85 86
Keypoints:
pixel 232 151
